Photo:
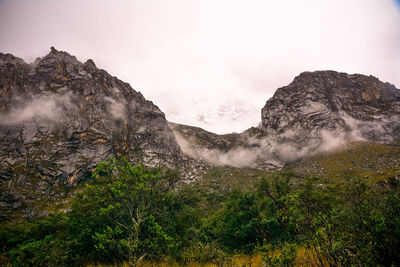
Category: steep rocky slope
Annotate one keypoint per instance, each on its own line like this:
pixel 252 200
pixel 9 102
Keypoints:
pixel 237 150
pixel 334 102
pixel 317 112
pixel 59 118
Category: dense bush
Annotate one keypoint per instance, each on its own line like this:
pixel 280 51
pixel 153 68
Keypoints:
pixel 348 222
pixel 130 213
pixel 126 213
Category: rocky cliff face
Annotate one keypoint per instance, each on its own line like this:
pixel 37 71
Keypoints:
pixel 237 150
pixel 319 111
pixel 59 118
pixel 334 102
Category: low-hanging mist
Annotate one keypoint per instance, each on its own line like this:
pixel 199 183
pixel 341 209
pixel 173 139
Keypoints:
pixel 274 150
pixel 44 107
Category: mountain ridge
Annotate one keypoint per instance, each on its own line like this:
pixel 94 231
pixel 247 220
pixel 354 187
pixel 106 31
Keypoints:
pixel 316 112
pixel 60 117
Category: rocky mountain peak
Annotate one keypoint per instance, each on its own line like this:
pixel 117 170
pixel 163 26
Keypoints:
pixel 58 64
pixel 318 112
pixel 10 59
pixel 62 56
pixel 359 88
pixel 333 101
pixel 89 65
pixel 59 118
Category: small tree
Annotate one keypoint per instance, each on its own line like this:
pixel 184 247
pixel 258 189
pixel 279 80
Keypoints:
pixel 123 209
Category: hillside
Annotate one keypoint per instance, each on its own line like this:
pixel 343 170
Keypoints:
pixel 377 163
pixel 59 118
pixel 93 173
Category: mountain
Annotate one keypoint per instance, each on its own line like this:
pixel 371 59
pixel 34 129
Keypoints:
pixel 318 112
pixel 238 150
pixel 336 102
pixel 59 118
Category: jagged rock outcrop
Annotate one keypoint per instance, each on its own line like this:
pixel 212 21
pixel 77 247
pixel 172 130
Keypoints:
pixel 238 150
pixel 200 138
pixel 334 102
pixel 318 111
pixel 59 118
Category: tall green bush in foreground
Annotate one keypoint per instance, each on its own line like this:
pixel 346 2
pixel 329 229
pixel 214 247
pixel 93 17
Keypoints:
pixel 126 213
pixel 129 213
pixel 349 222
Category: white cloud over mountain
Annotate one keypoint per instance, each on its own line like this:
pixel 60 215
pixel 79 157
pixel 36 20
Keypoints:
pixel 211 63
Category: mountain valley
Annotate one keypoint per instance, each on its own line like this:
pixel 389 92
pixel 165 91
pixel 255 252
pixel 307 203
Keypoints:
pixel 61 117
pixel 87 163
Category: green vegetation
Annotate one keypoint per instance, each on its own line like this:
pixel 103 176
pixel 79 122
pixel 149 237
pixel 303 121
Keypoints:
pixel 376 162
pixel 133 214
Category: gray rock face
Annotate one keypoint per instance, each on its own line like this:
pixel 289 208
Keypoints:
pixel 319 111
pixel 334 102
pixel 59 118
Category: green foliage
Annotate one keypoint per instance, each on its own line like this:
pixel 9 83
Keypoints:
pixel 340 223
pixel 48 251
pixel 126 213
pixel 286 255
pixel 386 231
pixel 248 219
pixel 376 162
pixel 129 213
pixel 237 225
pixel 41 242
pixel 205 253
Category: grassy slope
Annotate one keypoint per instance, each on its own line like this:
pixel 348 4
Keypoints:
pixel 376 162
pixel 218 182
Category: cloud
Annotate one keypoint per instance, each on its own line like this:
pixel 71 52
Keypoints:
pixel 47 107
pixel 189 57
pixel 382 129
pixel 237 157
pixel 268 151
pixel 116 109
pixel 274 150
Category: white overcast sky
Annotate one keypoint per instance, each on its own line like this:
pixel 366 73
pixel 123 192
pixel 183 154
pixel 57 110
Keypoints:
pixel 210 63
